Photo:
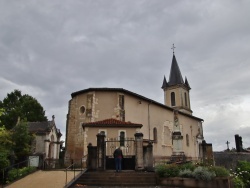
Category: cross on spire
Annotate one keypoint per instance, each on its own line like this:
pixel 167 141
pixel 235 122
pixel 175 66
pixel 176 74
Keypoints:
pixel 173 48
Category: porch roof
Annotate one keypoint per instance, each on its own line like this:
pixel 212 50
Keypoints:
pixel 112 123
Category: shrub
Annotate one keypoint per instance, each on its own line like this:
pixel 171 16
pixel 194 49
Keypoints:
pixel 202 173
pixel 14 173
pixel 186 173
pixel 238 183
pixel 189 166
pixel 160 169
pixel 172 170
pixel 167 170
pixel 219 171
pixel 243 172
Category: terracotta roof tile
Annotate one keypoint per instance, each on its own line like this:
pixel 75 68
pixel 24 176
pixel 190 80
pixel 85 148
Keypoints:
pixel 111 123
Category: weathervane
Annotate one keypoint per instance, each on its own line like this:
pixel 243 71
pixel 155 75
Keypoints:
pixel 173 48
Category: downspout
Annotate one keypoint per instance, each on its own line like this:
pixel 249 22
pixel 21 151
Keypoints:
pixel 149 123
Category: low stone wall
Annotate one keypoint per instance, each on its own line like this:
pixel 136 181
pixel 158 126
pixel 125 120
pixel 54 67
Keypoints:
pixel 229 159
pixel 193 183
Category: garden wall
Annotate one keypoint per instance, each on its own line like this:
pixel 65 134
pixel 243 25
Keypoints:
pixel 193 183
pixel 229 159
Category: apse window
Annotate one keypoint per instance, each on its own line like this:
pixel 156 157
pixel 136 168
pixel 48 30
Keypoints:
pixel 82 109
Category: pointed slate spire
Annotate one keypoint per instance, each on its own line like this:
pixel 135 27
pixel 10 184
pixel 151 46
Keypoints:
pixel 186 83
pixel 175 76
pixel 165 83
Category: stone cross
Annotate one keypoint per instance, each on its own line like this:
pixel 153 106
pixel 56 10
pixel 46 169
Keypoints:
pixel 173 48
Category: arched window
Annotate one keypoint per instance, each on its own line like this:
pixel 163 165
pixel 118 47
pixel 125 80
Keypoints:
pixel 51 147
pixel 185 99
pixel 122 138
pixel 187 139
pixel 155 134
pixel 102 132
pixel 172 99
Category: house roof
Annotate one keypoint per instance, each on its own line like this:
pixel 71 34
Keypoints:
pixel 112 123
pixel 121 90
pixel 42 127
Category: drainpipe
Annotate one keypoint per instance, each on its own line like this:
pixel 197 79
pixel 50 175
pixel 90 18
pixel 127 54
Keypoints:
pixel 149 122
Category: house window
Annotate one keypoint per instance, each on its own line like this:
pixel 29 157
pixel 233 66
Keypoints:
pixel 187 139
pixel 172 99
pixel 185 95
pixel 122 138
pixel 155 134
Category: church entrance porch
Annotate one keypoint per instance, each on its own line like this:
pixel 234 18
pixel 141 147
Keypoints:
pixel 100 157
pixel 127 146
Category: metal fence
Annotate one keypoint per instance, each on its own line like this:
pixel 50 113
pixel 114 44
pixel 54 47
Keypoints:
pixel 4 172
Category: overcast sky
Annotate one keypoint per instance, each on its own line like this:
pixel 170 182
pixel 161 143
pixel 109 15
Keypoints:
pixel 49 49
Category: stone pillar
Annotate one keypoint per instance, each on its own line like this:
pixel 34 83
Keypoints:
pixel 100 151
pixel 150 157
pixel 92 157
pixel 139 152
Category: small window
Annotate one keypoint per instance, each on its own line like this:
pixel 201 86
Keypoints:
pixel 82 109
pixel 155 134
pixel 122 138
pixel 185 99
pixel 187 139
pixel 172 99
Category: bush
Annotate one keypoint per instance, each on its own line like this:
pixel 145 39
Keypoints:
pixel 14 173
pixel 167 170
pixel 189 166
pixel 172 170
pixel 238 183
pixel 160 170
pixel 202 173
pixel 186 173
pixel 243 172
pixel 219 171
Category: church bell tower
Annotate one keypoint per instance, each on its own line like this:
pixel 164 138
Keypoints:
pixel 176 91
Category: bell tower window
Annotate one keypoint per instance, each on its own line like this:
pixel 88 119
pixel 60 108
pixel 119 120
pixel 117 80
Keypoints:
pixel 185 95
pixel 172 99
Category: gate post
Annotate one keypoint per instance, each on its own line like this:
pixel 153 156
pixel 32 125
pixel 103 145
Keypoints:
pixel 149 154
pixel 91 160
pixel 139 151
pixel 100 151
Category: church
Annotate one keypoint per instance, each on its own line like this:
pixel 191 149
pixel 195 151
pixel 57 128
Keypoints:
pixel 119 114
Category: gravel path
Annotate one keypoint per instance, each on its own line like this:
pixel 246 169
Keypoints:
pixel 44 179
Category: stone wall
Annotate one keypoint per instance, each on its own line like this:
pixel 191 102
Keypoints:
pixel 230 159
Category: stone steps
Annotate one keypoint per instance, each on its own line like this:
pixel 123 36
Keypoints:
pixel 112 178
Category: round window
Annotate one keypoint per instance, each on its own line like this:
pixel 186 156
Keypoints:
pixel 82 109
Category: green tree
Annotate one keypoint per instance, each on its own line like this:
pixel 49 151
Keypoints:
pixel 24 106
pixel 22 140
pixel 5 145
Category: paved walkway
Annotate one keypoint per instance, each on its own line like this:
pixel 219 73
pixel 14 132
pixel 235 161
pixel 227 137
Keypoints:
pixel 44 179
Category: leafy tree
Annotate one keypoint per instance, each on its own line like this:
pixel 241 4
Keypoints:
pixel 24 106
pixel 5 145
pixel 22 140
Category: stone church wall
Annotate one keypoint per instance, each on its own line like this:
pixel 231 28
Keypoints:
pixel 229 159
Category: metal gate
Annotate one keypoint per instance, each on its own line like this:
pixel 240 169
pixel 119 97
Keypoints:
pixel 127 146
